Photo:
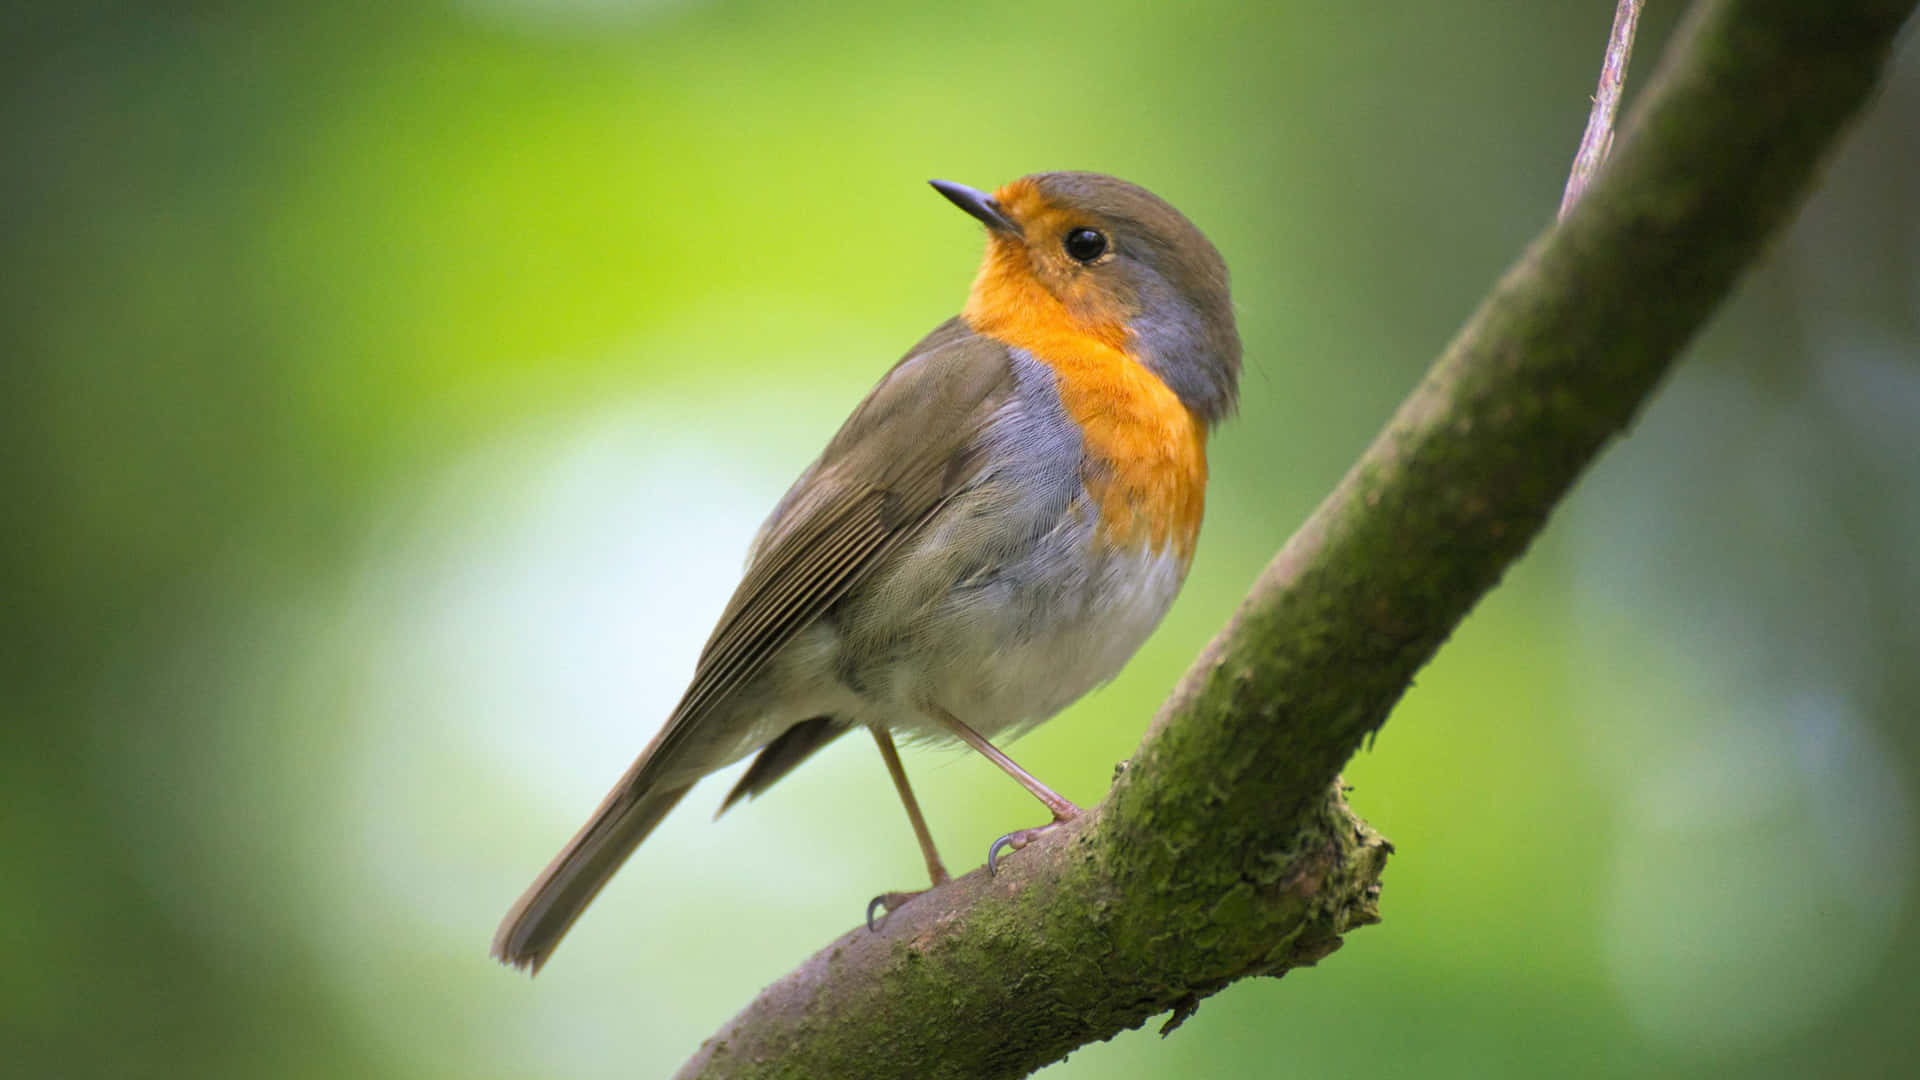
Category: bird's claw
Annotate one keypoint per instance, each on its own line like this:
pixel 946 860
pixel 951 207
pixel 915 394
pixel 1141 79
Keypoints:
pixel 993 853
pixel 886 903
pixel 1015 841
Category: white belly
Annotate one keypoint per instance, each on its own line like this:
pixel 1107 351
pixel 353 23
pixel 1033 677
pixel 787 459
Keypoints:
pixel 1011 654
pixel 1002 654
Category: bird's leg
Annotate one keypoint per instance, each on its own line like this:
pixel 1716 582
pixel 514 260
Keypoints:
pixel 1063 811
pixel 936 870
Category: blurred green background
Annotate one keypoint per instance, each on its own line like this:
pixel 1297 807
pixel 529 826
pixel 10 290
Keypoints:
pixel 390 392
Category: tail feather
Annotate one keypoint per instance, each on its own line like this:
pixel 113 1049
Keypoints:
pixel 533 929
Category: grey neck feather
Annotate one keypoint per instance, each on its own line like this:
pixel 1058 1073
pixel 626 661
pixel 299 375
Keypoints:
pixel 1201 367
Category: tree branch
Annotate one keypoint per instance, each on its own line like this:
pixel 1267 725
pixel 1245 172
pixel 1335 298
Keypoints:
pixel 1224 849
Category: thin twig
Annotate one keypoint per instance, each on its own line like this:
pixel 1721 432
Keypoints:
pixel 1598 138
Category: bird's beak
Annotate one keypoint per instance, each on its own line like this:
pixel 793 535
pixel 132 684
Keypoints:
pixel 979 204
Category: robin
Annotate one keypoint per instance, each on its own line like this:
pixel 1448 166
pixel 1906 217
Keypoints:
pixel 992 533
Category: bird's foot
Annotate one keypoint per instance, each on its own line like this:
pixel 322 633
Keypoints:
pixel 1014 841
pixel 886 904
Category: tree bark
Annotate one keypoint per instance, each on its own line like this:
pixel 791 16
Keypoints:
pixel 1225 848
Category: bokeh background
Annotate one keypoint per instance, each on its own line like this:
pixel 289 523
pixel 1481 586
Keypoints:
pixel 390 392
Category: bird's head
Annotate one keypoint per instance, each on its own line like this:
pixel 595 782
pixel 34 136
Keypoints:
pixel 1089 254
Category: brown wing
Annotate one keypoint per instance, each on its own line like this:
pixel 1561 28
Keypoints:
pixel 907 449
pixel 780 757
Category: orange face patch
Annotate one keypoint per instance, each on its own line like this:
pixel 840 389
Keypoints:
pixel 1146 458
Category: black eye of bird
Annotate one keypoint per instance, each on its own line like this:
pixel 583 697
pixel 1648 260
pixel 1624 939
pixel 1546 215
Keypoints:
pixel 1086 245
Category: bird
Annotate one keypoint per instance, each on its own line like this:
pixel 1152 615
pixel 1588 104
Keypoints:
pixel 993 532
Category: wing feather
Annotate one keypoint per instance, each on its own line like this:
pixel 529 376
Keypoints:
pixel 909 447
pixel 894 463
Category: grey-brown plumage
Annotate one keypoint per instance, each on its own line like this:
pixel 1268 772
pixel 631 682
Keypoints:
pixel 908 448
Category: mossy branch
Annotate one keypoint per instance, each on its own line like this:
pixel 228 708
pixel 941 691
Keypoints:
pixel 1225 850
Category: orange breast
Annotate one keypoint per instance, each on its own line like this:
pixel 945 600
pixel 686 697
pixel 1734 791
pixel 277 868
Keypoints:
pixel 1146 453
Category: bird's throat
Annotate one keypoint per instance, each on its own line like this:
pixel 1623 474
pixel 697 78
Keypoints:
pixel 1145 463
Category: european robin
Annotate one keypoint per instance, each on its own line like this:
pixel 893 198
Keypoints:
pixel 992 533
